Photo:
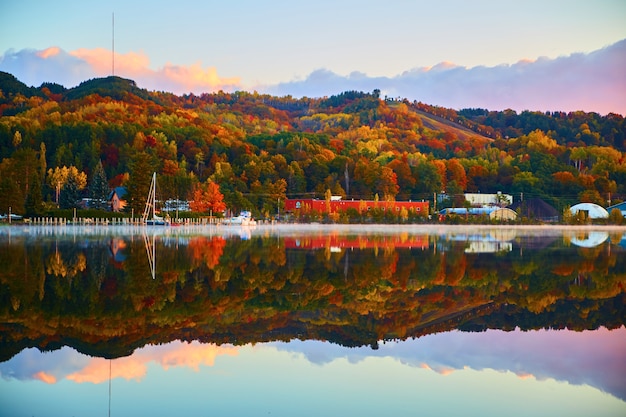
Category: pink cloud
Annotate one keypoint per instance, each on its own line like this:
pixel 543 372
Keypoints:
pixel 48 53
pixel 172 78
pixel 100 60
pixel 191 355
pixel 45 377
pixel 71 68
pixel 97 370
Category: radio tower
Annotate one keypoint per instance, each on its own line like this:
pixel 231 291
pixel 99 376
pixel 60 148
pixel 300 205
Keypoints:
pixel 113 44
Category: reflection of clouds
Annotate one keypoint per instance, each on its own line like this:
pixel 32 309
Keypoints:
pixel 45 377
pixel 596 358
pixel 66 363
pixel 32 364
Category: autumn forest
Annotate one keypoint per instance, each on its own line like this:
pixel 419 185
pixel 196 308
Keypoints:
pixel 60 145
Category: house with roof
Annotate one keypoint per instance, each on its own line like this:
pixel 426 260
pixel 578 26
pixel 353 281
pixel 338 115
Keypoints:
pixel 117 199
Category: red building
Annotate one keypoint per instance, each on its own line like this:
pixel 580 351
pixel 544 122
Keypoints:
pixel 337 205
pixel 338 241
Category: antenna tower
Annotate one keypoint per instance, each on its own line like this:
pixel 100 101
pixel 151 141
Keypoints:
pixel 113 44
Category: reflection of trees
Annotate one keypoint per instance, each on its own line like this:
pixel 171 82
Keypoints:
pixel 57 266
pixel 237 291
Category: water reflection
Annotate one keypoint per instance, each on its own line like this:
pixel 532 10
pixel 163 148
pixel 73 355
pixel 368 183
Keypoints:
pixel 445 300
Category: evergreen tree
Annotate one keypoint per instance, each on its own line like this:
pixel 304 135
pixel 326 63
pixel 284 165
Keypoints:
pixel 70 193
pixel 99 187
pixel 142 165
pixel 34 199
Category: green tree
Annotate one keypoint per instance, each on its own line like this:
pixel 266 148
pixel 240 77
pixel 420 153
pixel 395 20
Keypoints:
pixel 10 195
pixel 42 159
pixel 34 200
pixel 17 138
pixel 525 182
pixel 99 187
pixel 142 165
pixel 70 193
pixel 615 217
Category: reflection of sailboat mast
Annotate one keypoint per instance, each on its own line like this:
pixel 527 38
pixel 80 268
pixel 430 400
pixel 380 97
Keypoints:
pixel 151 251
pixel 109 387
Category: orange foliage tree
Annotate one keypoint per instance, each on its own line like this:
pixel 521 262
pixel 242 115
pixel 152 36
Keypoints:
pixel 207 197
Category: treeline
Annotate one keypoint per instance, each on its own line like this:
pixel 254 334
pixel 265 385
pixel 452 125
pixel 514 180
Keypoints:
pixel 572 129
pixel 262 149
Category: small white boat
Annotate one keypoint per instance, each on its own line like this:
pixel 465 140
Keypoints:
pixel 244 219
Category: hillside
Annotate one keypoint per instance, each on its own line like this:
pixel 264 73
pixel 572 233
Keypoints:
pixel 262 149
pixel 453 128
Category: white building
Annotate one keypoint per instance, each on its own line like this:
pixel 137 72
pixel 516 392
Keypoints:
pixel 499 199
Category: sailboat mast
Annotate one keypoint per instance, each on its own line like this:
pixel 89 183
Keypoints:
pixel 150 201
pixel 153 195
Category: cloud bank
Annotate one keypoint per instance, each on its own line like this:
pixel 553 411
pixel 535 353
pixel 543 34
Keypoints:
pixel 596 358
pixel 589 82
pixel 593 82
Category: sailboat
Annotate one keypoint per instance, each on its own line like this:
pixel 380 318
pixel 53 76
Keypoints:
pixel 149 216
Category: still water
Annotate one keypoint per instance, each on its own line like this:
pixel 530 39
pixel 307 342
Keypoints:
pixel 312 320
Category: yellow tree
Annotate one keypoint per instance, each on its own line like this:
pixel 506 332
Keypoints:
pixel 58 177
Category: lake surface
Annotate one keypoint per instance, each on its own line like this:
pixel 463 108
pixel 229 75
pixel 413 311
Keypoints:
pixel 312 320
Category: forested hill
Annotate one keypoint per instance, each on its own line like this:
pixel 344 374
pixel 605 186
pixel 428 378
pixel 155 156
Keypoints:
pixel 261 149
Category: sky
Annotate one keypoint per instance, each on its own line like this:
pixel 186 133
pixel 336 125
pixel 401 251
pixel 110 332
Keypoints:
pixel 526 55
pixel 486 373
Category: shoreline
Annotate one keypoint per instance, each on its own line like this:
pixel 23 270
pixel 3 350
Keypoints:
pixel 286 229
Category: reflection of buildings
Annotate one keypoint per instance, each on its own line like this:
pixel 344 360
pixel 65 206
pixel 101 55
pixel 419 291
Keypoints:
pixel 117 246
pixel 484 243
pixel 488 246
pixel 590 239
pixel 339 242
pixel 335 205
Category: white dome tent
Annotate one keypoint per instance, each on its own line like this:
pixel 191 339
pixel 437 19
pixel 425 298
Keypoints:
pixel 593 211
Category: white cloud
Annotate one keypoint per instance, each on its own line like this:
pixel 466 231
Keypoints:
pixel 589 82
pixel 595 357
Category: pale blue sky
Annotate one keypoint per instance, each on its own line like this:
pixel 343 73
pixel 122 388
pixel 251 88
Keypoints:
pixel 491 373
pixel 256 44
